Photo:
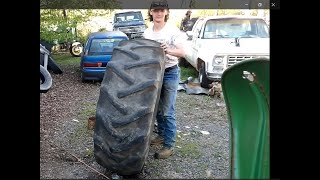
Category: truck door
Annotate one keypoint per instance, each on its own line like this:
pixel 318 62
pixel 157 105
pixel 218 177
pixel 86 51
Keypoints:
pixel 196 39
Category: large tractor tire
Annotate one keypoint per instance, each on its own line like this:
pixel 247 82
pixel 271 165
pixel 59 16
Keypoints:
pixel 127 104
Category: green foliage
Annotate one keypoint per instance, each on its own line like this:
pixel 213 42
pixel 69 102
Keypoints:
pixel 190 150
pixel 102 29
pixel 57 24
pixel 211 12
pixel 187 72
pixel 66 59
pixel 204 13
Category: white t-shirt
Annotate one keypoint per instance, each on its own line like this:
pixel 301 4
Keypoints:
pixel 169 34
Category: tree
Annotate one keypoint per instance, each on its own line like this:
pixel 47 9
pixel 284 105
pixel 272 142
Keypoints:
pixel 57 24
pixel 58 17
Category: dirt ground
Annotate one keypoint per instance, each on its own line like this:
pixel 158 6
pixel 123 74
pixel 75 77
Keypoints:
pixel 66 145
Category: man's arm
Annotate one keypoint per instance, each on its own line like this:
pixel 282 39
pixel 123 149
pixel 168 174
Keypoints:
pixel 178 51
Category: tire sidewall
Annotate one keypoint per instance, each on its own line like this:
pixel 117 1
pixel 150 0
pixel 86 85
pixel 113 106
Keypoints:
pixel 72 50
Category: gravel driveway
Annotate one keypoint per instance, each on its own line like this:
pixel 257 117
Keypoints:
pixel 66 146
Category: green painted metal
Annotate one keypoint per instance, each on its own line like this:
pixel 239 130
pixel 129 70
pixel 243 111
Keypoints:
pixel 247 101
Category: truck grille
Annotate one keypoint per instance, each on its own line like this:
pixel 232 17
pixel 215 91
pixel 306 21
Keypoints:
pixel 235 59
pixel 130 29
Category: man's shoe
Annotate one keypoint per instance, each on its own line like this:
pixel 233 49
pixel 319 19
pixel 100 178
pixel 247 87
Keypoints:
pixel 157 141
pixel 164 153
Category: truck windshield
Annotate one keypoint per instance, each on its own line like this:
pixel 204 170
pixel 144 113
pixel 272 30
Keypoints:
pixel 236 28
pixel 128 16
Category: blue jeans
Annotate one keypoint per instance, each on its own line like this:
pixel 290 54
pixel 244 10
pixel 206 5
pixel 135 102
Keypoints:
pixel 166 109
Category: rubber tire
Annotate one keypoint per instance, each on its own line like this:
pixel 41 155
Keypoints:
pixel 204 81
pixel 52 65
pixel 46 80
pixel 126 108
pixel 72 51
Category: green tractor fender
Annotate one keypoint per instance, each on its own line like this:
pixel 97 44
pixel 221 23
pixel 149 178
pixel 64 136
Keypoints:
pixel 246 90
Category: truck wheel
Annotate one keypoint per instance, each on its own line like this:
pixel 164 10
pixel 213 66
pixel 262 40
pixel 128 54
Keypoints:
pixel 127 104
pixel 204 81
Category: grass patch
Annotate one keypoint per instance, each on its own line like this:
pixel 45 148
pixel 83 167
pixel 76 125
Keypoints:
pixel 88 110
pixel 81 130
pixel 187 72
pixel 66 59
pixel 208 99
pixel 89 153
pixel 179 170
pixel 189 150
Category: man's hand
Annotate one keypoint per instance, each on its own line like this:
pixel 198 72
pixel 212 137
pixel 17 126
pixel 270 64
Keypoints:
pixel 164 46
pixel 178 51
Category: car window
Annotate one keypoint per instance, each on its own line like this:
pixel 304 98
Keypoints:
pixel 103 46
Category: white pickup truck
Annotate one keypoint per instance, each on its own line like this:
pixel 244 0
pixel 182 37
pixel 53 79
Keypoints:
pixel 216 43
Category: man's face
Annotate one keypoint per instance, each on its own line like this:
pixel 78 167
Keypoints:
pixel 158 15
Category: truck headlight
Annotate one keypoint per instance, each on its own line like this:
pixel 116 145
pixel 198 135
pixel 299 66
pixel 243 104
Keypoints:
pixel 218 60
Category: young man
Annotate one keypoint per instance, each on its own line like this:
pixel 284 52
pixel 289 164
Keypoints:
pixel 171 39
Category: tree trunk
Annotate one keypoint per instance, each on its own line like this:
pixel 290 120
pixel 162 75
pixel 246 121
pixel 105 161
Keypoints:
pixel 64 12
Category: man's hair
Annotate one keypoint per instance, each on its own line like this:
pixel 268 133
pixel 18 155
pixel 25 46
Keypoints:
pixel 159 4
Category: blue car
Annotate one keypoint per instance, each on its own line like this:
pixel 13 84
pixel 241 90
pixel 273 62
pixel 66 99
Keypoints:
pixel 98 52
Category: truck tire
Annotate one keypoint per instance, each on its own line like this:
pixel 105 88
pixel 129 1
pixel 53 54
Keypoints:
pixel 204 81
pixel 127 104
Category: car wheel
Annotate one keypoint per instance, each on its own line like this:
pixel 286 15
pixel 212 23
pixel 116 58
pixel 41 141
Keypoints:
pixel 204 81
pixel 127 106
pixel 76 50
